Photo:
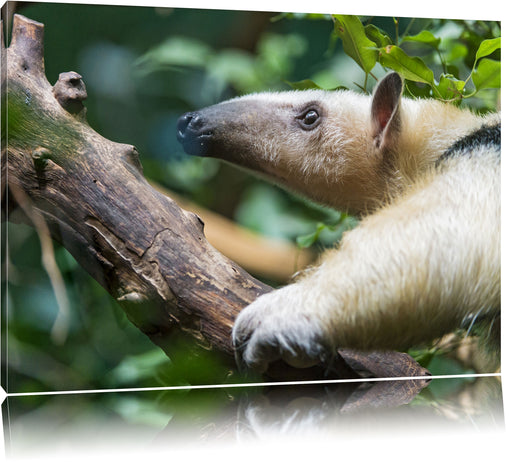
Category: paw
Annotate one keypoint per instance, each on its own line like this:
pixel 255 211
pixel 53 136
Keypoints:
pixel 278 326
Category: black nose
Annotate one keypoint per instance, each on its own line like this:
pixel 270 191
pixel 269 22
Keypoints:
pixel 183 125
pixel 193 134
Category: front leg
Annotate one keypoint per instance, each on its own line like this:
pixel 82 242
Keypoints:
pixel 410 273
pixel 282 325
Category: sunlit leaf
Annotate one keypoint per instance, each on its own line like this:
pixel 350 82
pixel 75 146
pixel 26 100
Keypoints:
pixel 410 68
pixel 487 47
pixel 355 42
pixel 133 369
pixel 450 87
pixel 377 36
pixel 487 74
pixel 425 37
pixel 265 210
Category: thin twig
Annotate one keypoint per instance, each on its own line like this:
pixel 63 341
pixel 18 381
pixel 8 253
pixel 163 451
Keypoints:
pixel 59 331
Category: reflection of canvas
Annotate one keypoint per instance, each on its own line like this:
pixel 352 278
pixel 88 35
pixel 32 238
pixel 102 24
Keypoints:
pixel 240 418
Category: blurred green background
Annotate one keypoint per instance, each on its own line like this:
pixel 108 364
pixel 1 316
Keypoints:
pixel 143 67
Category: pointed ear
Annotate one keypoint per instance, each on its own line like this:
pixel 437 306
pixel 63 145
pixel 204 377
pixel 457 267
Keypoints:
pixel 386 110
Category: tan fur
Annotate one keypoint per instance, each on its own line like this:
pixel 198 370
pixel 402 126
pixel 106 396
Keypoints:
pixel 340 166
pixel 416 263
pixel 425 258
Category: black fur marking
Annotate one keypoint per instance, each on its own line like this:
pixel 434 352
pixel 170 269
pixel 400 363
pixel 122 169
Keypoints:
pixel 488 135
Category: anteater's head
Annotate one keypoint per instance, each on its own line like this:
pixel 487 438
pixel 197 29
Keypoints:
pixel 328 145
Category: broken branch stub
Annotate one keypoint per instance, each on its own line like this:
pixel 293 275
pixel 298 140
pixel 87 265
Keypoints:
pixel 70 91
pixel 27 45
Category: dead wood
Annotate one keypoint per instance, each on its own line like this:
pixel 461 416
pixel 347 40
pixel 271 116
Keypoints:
pixel 146 251
pixel 275 259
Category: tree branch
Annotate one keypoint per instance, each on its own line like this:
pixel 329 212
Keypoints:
pixel 147 252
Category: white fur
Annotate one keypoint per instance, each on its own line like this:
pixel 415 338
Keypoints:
pixel 425 259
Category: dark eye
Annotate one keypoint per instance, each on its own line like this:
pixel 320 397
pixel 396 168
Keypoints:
pixel 309 118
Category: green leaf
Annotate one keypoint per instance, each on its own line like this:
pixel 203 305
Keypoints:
pixel 310 16
pixel 425 37
pixel 309 239
pixel 236 67
pixel 455 52
pixel 450 87
pixel 423 357
pixel 410 68
pixel 377 36
pixel 133 369
pixel 355 42
pixel 487 74
pixel 176 51
pixel 453 70
pixel 303 242
pixel 345 222
pixel 306 84
pixel 487 47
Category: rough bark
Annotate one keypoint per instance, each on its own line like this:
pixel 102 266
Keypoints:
pixel 146 251
pixel 270 258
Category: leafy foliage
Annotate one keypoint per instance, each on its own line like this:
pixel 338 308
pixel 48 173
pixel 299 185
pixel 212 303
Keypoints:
pixel 370 45
pixel 417 58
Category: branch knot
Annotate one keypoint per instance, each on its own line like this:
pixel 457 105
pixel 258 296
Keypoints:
pixel 40 155
pixel 70 91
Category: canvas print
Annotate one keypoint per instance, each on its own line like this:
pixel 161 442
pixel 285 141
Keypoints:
pixel 293 208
